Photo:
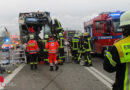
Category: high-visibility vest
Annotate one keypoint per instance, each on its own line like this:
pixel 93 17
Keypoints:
pixel 75 43
pixel 32 47
pixel 61 42
pixel 44 44
pixel 87 44
pixel 123 48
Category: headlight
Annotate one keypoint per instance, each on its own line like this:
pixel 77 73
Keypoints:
pixel 3 47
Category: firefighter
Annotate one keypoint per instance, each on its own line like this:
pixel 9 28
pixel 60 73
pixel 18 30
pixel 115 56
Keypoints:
pixel 52 47
pixel 45 51
pixel 117 57
pixel 61 47
pixel 80 47
pixel 75 47
pixel 32 49
pixel 86 49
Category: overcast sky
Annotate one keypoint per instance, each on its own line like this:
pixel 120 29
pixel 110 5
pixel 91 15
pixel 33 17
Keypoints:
pixel 71 13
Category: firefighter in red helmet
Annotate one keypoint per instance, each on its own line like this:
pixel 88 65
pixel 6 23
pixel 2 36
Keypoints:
pixel 52 47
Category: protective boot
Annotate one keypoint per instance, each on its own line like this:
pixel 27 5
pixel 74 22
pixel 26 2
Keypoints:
pixel 51 68
pixel 90 64
pixel 57 67
pixel 35 66
pixel 31 66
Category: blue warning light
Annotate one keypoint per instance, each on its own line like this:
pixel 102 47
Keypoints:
pixel 115 14
pixel 6 40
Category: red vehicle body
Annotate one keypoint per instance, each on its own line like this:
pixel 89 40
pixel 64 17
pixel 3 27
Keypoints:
pixel 104 30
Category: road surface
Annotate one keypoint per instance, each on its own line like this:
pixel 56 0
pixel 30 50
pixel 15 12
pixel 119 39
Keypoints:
pixel 70 76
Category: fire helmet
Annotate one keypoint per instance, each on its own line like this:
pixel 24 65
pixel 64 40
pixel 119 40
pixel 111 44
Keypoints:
pixel 86 34
pixel 60 34
pixel 125 19
pixel 46 36
pixel 31 36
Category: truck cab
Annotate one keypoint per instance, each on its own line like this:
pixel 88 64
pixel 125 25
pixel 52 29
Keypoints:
pixel 104 30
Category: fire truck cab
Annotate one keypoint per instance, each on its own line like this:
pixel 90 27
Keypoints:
pixel 104 30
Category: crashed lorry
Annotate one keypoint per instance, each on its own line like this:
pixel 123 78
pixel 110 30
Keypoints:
pixel 42 25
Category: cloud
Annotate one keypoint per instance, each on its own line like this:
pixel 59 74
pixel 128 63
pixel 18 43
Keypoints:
pixel 71 13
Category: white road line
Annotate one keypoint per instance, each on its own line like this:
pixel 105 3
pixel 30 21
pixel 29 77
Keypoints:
pixel 99 77
pixel 104 76
pixel 13 74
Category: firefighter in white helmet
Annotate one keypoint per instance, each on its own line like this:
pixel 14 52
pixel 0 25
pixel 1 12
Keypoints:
pixel 118 56
pixel 61 49
pixel 45 51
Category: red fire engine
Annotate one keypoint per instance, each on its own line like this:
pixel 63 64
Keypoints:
pixel 104 30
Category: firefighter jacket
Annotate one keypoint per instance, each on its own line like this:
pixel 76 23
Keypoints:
pixel 52 46
pixel 61 42
pixel 75 43
pixel 32 47
pixel 44 44
pixel 118 59
pixel 80 44
pixel 86 44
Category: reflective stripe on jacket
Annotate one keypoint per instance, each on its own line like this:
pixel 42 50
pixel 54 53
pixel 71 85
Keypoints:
pixel 117 59
pixel 32 47
pixel 87 44
pixel 61 42
pixel 44 44
pixel 52 46
pixel 75 43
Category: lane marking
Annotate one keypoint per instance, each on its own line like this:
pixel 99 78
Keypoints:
pixel 104 76
pixel 13 74
pixel 104 81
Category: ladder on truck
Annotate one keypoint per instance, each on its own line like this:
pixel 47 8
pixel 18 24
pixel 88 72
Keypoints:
pixel 15 57
pixel 19 55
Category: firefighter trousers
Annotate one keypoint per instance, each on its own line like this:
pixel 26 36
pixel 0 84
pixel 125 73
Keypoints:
pixel 61 54
pixel 33 61
pixel 52 58
pixel 75 55
pixel 87 57
pixel 46 56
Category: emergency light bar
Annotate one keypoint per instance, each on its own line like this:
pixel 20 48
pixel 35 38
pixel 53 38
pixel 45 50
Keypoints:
pixel 115 14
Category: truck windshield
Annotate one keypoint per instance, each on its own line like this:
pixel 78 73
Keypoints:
pixel 47 30
pixel 116 28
